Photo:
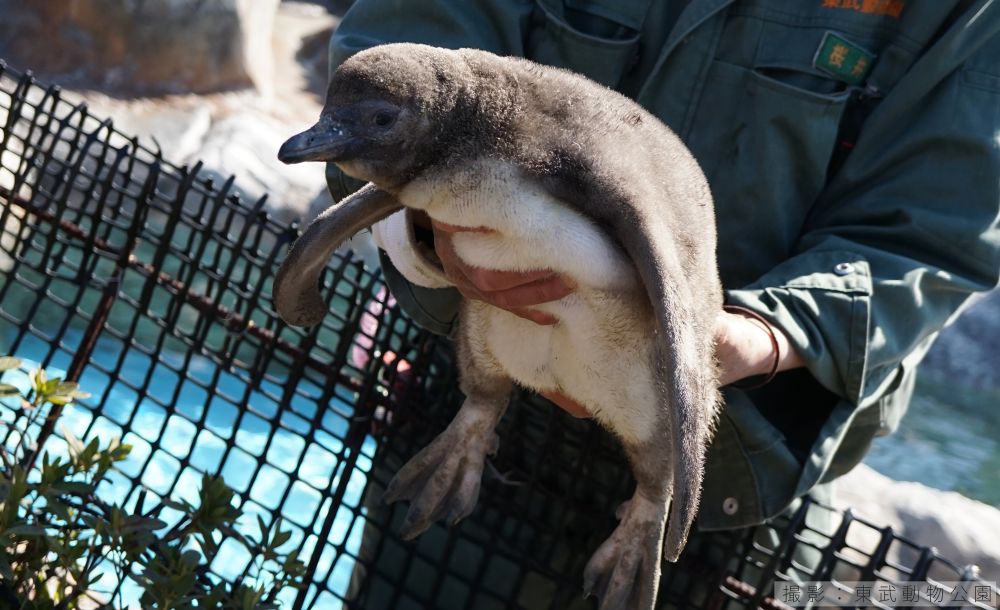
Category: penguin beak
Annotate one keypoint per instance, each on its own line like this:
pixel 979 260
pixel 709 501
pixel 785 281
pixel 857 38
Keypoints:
pixel 327 140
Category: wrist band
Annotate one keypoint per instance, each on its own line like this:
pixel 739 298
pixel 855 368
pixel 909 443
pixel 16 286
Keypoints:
pixel 752 383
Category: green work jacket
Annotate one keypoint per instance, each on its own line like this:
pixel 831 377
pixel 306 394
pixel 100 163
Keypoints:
pixel 853 150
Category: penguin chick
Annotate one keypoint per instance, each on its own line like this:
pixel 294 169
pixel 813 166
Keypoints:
pixel 570 176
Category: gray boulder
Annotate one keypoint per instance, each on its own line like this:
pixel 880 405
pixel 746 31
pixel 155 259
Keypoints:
pixel 142 46
pixel 961 529
pixel 246 145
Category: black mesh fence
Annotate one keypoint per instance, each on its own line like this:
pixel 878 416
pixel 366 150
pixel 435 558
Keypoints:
pixel 150 284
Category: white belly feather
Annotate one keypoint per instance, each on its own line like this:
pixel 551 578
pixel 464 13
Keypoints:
pixel 600 352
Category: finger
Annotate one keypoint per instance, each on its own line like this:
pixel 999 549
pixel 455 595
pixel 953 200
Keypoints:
pixel 453 267
pixel 538 317
pixel 545 290
pixel 491 280
pixel 567 404
pixel 484 280
pixel 444 227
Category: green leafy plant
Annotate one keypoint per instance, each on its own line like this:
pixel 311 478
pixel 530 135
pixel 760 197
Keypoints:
pixel 58 537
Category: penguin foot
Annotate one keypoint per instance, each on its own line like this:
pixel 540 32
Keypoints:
pixel 442 481
pixel 625 571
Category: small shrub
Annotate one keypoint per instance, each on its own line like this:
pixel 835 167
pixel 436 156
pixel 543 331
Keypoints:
pixel 57 535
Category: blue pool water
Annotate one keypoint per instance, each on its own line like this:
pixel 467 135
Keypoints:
pixel 161 440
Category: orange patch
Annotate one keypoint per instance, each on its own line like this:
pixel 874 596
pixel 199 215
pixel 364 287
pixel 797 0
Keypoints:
pixel 887 8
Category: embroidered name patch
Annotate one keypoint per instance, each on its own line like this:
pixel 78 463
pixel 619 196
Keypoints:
pixel 889 8
pixel 842 58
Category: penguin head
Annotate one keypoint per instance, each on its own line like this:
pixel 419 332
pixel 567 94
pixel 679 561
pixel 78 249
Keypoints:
pixel 386 109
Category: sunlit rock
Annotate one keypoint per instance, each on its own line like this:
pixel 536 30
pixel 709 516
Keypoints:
pixel 149 47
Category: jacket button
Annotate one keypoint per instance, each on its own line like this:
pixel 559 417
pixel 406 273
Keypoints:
pixel 730 505
pixel 843 269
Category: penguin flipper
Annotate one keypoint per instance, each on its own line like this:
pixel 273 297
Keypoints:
pixel 669 235
pixel 296 285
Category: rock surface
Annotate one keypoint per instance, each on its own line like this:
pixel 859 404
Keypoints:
pixel 961 529
pixel 245 145
pixel 148 47
pixel 233 132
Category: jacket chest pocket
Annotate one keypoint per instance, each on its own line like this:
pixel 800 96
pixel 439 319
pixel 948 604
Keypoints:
pixel 765 144
pixel 596 38
pixel 769 125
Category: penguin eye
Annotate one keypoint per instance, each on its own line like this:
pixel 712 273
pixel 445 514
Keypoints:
pixel 383 118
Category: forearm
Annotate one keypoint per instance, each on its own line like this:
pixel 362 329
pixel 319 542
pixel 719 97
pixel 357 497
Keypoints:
pixel 747 346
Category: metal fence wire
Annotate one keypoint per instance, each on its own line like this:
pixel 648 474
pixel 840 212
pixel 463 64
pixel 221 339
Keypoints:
pixel 150 284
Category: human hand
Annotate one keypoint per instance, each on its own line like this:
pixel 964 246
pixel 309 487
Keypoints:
pixel 515 291
pixel 743 344
pixel 743 348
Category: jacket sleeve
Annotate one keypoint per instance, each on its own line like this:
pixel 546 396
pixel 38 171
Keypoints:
pixel 906 230
pixel 492 25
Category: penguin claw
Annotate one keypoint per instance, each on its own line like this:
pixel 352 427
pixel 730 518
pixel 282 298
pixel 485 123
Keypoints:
pixel 624 572
pixel 442 481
